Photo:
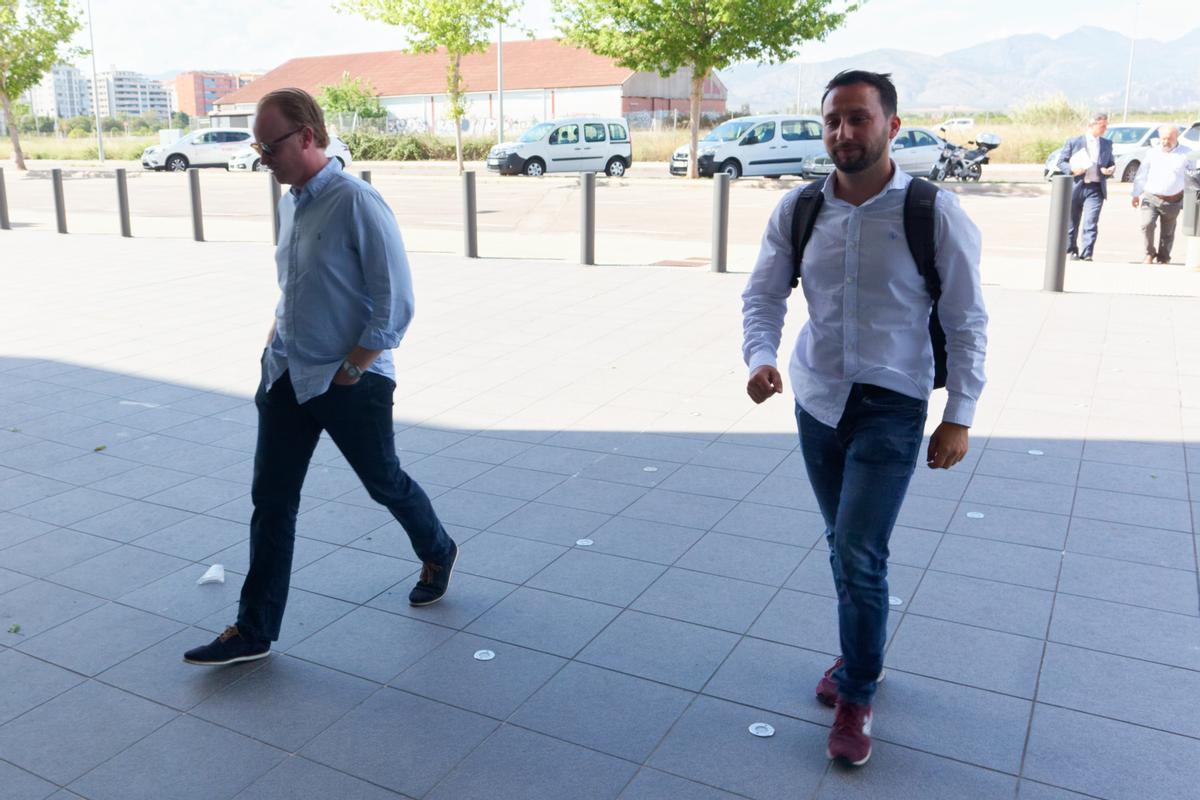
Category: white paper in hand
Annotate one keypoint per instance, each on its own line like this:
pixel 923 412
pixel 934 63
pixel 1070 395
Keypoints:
pixel 215 574
pixel 1080 160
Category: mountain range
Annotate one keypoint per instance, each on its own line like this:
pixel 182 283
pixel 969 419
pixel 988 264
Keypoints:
pixel 1087 66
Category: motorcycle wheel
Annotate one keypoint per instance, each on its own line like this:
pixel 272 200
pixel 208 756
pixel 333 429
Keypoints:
pixel 974 173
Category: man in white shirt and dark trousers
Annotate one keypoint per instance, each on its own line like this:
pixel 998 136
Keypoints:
pixel 864 363
pixel 1158 189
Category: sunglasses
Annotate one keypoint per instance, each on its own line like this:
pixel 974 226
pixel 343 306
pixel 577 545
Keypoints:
pixel 268 148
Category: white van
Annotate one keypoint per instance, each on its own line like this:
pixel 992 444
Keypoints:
pixel 772 144
pixel 576 144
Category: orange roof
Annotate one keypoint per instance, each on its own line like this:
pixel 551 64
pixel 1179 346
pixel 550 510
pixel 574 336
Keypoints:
pixel 536 64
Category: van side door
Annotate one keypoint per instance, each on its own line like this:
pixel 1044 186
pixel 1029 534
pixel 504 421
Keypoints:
pixel 565 149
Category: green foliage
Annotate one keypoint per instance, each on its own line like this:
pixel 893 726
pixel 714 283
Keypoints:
pixel 351 96
pixel 78 133
pixel 1053 110
pixel 368 146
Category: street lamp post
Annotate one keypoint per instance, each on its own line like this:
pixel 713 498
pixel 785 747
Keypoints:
pixel 500 82
pixel 95 86
pixel 1129 70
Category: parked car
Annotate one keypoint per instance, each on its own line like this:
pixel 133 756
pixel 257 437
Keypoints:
pixel 577 144
pixel 207 148
pixel 771 145
pixel 248 160
pixel 816 167
pixel 1130 143
pixel 917 150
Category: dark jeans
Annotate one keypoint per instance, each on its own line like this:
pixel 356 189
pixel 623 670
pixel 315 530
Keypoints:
pixel 860 472
pixel 359 420
pixel 1086 201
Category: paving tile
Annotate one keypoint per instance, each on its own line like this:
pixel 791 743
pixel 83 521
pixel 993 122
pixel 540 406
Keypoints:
pixel 178 597
pixel 37 607
pixel 1124 630
pixel 999 606
pixel 65 508
pixel 37 455
pixel 200 494
pixel 422 439
pixel 710 745
pixel 657 445
pixel 548 523
pixel 299 777
pixel 815 576
pixel 371 644
pixel 95 641
pixel 740 457
pixel 705 599
pixel 775 677
pixel 1151 512
pixel 446 471
pixel 196 538
pixel 506 558
pixel 987 659
pixel 713 481
pixel 87 468
pixel 485 449
pixel 25 489
pixel 773 524
pixel 236 557
pixel 607 711
pixel 375 741
pixel 26 683
pixel 341 523
pixel 901 772
pixel 1031 495
pixel 1159 455
pixel 543 621
pixel 307 613
pixel 946 484
pixel 650 784
pixel 353 575
pixel 605 497
pixel 142 481
pixel 558 460
pixel 286 703
pixel 53 551
pixel 1015 525
pixel 118 571
pixel 677 508
pixel 1010 563
pixel 644 540
pixel 1151 481
pixel 514 764
pixel 10 580
pixel 645 472
pixel 131 521
pixel 745 559
pixel 800 619
pixel 508 481
pixel 188 759
pixel 1134 584
pixel 1029 790
pixel 79 729
pixel 927 513
pixel 468 598
pixel 451 674
pixel 595 576
pixel 474 509
pixel 787 491
pixel 21 785
pixel 1027 467
pixel 1107 758
pixel 664 650
pixel 15 529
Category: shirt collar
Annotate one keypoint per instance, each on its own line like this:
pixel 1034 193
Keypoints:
pixel 900 181
pixel 317 182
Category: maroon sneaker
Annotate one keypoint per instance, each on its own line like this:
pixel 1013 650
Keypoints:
pixel 850 737
pixel 827 688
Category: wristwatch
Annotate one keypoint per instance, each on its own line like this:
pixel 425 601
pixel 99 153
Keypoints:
pixel 353 372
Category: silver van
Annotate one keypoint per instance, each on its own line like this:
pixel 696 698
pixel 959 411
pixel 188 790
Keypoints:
pixel 769 144
pixel 574 144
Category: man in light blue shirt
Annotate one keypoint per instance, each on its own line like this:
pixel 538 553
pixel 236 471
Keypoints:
pixel 345 301
pixel 863 367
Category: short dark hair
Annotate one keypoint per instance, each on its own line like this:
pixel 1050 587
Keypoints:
pixel 882 81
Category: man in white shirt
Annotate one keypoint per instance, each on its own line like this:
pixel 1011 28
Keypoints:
pixel 863 366
pixel 1158 190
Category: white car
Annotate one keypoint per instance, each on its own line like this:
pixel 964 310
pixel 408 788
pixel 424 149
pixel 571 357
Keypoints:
pixel 917 150
pixel 1132 140
pixel 771 145
pixel 577 144
pixel 248 160
pixel 207 148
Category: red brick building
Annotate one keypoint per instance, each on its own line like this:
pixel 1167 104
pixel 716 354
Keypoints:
pixel 197 92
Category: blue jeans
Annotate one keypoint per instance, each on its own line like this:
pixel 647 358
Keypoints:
pixel 859 473
pixel 1086 201
pixel 359 420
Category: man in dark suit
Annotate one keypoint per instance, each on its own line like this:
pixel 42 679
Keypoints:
pixel 1089 158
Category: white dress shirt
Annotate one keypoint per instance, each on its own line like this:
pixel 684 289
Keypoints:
pixel 868 307
pixel 1162 172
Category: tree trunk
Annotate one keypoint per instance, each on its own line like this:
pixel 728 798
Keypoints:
pixel 458 110
pixel 18 156
pixel 694 119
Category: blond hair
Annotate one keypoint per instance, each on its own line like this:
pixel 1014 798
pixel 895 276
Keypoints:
pixel 300 108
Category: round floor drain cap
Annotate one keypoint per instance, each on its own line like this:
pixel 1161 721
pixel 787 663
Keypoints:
pixel 762 729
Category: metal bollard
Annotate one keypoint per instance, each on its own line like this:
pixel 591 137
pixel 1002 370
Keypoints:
pixel 1056 237
pixel 197 211
pixel 587 218
pixel 276 193
pixel 5 223
pixel 123 203
pixel 1190 222
pixel 470 224
pixel 60 202
pixel 365 175
pixel 720 222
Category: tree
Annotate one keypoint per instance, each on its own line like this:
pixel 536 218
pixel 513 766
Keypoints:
pixel 459 27
pixel 351 96
pixel 664 36
pixel 33 38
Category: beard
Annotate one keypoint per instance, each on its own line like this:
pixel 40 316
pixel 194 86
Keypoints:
pixel 858 158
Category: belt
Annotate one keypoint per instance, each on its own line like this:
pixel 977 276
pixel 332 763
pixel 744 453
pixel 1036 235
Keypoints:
pixel 1170 198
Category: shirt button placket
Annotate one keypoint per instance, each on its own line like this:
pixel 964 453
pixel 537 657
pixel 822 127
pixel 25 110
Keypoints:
pixel 850 295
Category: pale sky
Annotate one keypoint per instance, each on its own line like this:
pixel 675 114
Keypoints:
pixel 175 35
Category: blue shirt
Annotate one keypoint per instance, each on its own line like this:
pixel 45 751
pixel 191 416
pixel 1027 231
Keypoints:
pixel 343 281
pixel 868 308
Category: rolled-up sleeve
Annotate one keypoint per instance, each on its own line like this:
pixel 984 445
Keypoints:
pixel 385 271
pixel 960 309
pixel 764 300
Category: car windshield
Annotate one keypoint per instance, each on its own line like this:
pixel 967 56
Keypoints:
pixel 729 131
pixel 537 132
pixel 1125 135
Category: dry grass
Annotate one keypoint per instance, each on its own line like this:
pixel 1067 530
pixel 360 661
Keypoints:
pixel 120 148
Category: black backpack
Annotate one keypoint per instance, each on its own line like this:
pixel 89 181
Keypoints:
pixel 918 230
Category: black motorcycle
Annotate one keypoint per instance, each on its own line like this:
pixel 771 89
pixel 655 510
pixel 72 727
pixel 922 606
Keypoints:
pixel 963 163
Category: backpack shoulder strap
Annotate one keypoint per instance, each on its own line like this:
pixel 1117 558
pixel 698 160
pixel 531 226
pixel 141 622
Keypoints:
pixel 919 230
pixel 804 216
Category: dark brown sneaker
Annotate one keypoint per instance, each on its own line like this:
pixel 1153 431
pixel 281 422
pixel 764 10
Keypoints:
pixel 228 648
pixel 850 737
pixel 827 688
